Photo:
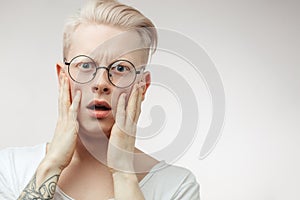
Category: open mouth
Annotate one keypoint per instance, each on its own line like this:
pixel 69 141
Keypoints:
pixel 99 109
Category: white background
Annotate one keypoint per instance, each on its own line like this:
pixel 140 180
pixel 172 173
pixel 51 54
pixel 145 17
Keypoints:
pixel 255 46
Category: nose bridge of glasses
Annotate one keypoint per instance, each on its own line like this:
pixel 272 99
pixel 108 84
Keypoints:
pixel 101 73
pixel 101 67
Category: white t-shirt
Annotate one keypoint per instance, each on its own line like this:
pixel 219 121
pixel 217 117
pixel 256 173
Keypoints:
pixel 18 165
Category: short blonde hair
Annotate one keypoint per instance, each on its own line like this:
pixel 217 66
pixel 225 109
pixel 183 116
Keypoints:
pixel 111 12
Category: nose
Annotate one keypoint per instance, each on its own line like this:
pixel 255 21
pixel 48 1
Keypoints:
pixel 101 84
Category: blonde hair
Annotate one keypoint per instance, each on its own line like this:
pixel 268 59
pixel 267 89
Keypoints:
pixel 111 12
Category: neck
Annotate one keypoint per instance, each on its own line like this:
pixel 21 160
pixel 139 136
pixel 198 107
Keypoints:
pixel 90 149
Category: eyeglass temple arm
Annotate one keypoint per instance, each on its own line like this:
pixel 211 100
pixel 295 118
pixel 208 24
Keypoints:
pixel 142 69
pixel 65 61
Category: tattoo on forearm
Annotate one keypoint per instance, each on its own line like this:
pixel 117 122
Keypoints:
pixel 44 192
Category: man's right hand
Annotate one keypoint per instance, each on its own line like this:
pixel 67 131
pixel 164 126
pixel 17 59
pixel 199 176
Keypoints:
pixel 63 144
pixel 61 149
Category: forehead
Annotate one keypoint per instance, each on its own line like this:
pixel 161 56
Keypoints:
pixel 106 43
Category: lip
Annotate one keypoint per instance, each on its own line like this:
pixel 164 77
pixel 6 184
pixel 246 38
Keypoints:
pixel 99 114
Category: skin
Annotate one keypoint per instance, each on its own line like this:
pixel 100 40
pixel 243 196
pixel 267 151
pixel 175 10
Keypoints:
pixel 68 164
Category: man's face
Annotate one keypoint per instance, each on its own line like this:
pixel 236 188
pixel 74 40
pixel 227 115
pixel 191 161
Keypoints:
pixel 104 44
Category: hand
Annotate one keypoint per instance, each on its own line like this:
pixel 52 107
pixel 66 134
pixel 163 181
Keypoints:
pixel 122 138
pixel 63 144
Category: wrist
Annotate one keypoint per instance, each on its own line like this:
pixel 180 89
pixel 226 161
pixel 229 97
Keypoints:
pixel 126 186
pixel 45 171
pixel 50 165
pixel 120 176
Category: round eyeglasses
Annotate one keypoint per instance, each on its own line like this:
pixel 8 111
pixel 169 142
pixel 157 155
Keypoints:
pixel 121 73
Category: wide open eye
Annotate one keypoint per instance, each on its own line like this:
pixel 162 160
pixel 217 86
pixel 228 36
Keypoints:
pixel 121 67
pixel 122 73
pixel 82 69
pixel 85 66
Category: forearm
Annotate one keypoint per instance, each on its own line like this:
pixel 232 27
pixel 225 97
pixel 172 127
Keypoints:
pixel 43 184
pixel 126 186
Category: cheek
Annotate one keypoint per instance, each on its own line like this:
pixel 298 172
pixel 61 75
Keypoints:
pixel 78 87
pixel 115 95
pixel 75 87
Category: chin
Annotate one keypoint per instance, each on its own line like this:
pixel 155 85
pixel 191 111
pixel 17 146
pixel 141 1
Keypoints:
pixel 95 128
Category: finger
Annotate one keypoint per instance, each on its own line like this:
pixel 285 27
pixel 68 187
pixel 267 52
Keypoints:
pixel 138 103
pixel 60 98
pixel 73 111
pixel 66 97
pixel 120 114
pixel 131 107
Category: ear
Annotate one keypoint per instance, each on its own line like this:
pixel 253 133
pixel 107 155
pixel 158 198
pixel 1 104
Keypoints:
pixel 147 79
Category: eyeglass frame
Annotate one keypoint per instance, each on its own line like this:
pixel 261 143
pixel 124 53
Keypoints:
pixel 103 67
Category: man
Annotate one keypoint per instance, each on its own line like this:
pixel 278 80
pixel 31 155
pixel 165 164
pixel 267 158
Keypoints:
pixel 102 83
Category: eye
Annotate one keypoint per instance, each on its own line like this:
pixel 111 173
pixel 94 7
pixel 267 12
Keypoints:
pixel 85 65
pixel 119 68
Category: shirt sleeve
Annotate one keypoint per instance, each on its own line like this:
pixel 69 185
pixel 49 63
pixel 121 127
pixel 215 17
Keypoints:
pixel 17 166
pixel 188 190
pixel 6 182
pixel 5 192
